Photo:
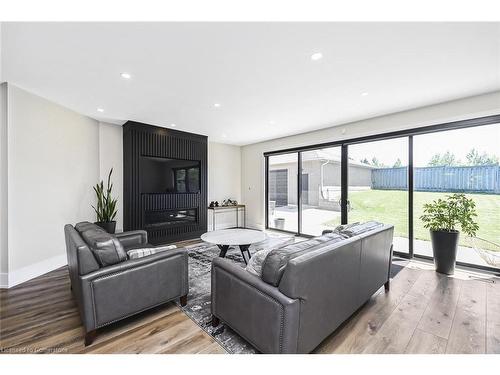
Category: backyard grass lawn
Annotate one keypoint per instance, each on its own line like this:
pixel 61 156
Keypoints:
pixel 391 206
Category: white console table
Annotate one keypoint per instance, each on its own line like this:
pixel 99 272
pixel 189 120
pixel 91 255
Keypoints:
pixel 221 209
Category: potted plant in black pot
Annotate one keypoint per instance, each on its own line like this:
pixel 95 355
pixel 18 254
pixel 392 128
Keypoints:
pixel 106 206
pixel 442 218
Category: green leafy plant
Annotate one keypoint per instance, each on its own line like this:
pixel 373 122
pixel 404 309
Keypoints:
pixel 106 205
pixel 446 214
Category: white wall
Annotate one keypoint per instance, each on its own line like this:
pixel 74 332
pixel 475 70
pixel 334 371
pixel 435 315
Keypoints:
pixel 252 159
pixel 111 156
pixel 224 172
pixel 2 56
pixel 53 161
pixel 4 254
pixel 224 180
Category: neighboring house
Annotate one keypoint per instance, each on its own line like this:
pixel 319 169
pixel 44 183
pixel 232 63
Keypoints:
pixel 320 178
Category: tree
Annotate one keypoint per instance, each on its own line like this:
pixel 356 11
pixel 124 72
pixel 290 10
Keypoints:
pixel 376 163
pixel 446 159
pixel 474 158
pixel 435 160
pixel 397 164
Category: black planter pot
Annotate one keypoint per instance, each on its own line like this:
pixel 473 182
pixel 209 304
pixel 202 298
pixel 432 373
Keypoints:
pixel 108 226
pixel 444 247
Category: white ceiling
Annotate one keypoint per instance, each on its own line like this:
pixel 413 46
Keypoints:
pixel 260 73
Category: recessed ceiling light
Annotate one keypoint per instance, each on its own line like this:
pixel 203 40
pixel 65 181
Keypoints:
pixel 316 56
pixel 125 75
pixel 217 105
pixel 100 110
pixel 224 135
pixel 173 125
pixel 272 122
pixel 364 94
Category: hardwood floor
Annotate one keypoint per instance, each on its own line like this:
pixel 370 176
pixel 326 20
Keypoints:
pixel 424 312
pixel 41 316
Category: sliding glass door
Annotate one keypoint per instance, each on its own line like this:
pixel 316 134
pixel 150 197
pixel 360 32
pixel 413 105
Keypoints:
pixel 282 192
pixel 320 190
pixel 464 161
pixel 378 186
pixel 388 178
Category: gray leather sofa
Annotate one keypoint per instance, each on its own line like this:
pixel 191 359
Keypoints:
pixel 297 303
pixel 107 292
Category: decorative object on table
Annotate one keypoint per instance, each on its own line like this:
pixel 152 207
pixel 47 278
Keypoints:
pixel 106 206
pixel 212 204
pixel 229 202
pixel 442 217
pixel 216 204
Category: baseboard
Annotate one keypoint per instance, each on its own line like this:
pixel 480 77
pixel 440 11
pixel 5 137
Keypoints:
pixel 34 270
pixel 256 226
pixel 4 280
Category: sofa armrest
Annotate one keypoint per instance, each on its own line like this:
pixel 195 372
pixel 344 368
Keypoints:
pixel 133 238
pixel 124 289
pixel 259 312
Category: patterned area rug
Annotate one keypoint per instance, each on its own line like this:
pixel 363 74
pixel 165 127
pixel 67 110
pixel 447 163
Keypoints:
pixel 198 306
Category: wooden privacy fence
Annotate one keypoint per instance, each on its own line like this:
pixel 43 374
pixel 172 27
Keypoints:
pixel 477 179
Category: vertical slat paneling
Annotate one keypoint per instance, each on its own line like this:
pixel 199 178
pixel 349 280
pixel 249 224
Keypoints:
pixel 141 139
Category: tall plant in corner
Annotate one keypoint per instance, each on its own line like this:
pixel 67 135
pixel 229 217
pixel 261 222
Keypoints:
pixel 106 205
pixel 442 217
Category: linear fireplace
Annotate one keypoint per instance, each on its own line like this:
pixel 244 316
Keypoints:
pixel 156 219
pixel 165 182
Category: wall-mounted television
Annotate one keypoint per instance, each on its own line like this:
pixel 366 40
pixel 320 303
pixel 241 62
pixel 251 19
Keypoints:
pixel 169 176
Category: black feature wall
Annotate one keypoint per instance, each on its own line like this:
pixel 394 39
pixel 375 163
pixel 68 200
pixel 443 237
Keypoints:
pixel 146 140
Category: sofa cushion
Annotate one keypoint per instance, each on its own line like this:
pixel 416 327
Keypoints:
pixel 106 248
pixel 261 249
pixel 276 260
pixel 146 251
pixel 356 229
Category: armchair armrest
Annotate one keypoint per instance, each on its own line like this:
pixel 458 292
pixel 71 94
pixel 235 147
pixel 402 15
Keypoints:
pixel 256 310
pixel 132 238
pixel 134 263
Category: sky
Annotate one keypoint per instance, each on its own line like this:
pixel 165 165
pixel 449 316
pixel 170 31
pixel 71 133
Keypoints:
pixel 460 142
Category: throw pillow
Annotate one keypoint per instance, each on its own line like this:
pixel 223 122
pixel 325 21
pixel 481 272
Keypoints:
pixel 359 228
pixel 261 249
pixel 144 252
pixel 276 260
pixel 106 248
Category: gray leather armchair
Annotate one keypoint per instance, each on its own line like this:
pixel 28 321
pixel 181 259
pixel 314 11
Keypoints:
pixel 111 293
pixel 317 292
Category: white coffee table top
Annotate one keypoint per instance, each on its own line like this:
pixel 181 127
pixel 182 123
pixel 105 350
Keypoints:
pixel 234 236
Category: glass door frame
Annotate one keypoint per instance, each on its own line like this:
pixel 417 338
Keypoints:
pixel 344 144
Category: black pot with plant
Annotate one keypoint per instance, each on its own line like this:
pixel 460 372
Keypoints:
pixel 442 218
pixel 106 206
